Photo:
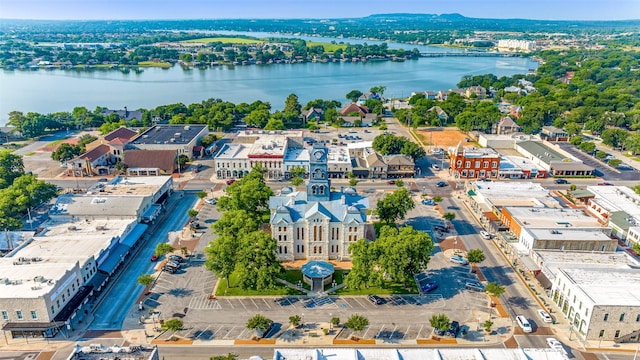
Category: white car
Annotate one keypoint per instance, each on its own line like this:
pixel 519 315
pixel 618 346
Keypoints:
pixel 210 201
pixel 485 235
pixel 435 167
pixel 556 345
pixel 545 316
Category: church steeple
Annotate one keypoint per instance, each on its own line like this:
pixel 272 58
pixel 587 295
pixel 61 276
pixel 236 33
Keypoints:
pixel 318 185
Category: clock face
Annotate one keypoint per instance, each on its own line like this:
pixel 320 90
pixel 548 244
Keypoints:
pixel 318 154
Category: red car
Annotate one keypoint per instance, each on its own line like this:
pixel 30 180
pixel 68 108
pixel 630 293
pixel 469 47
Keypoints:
pixel 605 184
pixel 231 181
pixel 391 182
pixel 154 257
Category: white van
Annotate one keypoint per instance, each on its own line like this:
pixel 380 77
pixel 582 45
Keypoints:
pixel 524 323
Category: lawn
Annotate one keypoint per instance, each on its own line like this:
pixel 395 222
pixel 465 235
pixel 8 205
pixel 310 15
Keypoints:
pixel 234 290
pixel 328 47
pixel 226 40
pixel 154 64
pixel 391 288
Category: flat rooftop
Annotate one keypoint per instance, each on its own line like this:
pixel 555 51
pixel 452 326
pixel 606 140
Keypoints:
pixel 544 152
pixel 360 145
pixel 268 145
pixel 474 152
pixel 570 234
pixel 515 193
pixel 100 205
pixel 607 286
pixel 338 154
pixel 553 260
pixel 231 151
pixel 552 218
pixel 259 133
pixel 509 162
pixel 297 154
pixel 169 134
pixel 130 186
pixel 33 269
pixel 617 198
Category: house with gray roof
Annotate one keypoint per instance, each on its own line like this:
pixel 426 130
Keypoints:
pixel 318 224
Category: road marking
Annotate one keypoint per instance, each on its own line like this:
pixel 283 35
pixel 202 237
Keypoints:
pixel 406 332
pixel 233 307
pixel 393 332
pixel 254 304
pixel 228 332
pixel 266 303
pixel 365 333
pixel 202 332
pixel 359 303
pixel 241 303
pixel 419 331
pixel 217 331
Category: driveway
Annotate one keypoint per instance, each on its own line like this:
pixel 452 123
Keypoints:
pixel 602 169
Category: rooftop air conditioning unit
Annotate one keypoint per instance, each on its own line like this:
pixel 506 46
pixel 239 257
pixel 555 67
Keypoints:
pixel 187 127
pixel 101 227
pixel 72 227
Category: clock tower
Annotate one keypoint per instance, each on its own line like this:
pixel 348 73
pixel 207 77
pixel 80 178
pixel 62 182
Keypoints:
pixel 318 185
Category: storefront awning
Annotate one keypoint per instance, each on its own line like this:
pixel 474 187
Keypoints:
pixel 135 233
pixel 471 193
pixel 31 326
pixel 115 257
pixel 73 304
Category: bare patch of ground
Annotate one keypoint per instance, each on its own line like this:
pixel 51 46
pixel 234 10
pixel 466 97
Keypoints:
pixel 444 137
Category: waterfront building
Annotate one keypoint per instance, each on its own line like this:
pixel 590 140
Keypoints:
pixel 180 138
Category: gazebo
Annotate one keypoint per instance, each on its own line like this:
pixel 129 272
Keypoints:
pixel 317 274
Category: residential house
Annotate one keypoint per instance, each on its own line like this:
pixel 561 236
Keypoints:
pixel 375 163
pixel 124 114
pixel 117 141
pixel 506 125
pixel 477 92
pixel 355 108
pixel 313 114
pixel 93 162
pixel 552 133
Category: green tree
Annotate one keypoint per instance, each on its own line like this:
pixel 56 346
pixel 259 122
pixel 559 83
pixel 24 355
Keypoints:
pixel 487 325
pixel 66 152
pixel 363 260
pixel 587 146
pixel 614 137
pixel 449 216
pixel 145 279
pixel 475 256
pixel 440 322
pixel 354 95
pixel 163 248
pixel 274 124
pixel 413 150
pixel 356 322
pixel 208 140
pixel 335 321
pixel 250 193
pixel 292 105
pixel 378 90
pixel 402 253
pixel 259 323
pixel 257 266
pixel 296 181
pixel 192 212
pixel 576 140
pixel 353 182
pixel 182 161
pixel 84 140
pixel 11 167
pixel 601 154
pixel 494 289
pixel 395 206
pixel 173 325
pixel 615 162
pixel 229 356
pixel 257 118
pixel 636 188
pixel 437 198
pixel 632 143
pixel 295 320
pixel 399 183
pixel 121 167
pixel 201 195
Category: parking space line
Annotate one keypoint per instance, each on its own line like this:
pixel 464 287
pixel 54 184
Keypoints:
pixel 228 332
pixel 254 304
pixel 242 303
pixel 266 303
pixel 215 333
pixel 393 332
pixel 202 332
pixel 359 303
pixel 404 335
pixel 367 330
pixel 233 307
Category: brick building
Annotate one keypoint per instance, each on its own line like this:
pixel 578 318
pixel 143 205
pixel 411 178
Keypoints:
pixel 473 163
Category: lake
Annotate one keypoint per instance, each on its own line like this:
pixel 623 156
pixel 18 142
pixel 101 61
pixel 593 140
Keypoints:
pixel 47 91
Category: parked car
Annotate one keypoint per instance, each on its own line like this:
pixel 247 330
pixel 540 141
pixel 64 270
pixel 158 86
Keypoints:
pixel 474 286
pixel 430 286
pixel 458 260
pixel 545 316
pixel 211 201
pixel 154 257
pixel 453 329
pixel 560 181
pixel 375 299
pixel 391 182
pixel 556 345
pixel 485 235
pixel 428 202
pixel 605 184
pixel 435 167
pixel 176 258
pixel 169 269
pixel 524 324
pixel 175 264
pixel 439 228
pixel 441 184
pixel 231 181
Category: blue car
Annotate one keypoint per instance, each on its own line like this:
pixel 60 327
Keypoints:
pixel 428 202
pixel 430 286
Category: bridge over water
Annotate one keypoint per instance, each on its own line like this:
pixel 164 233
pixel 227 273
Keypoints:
pixel 470 54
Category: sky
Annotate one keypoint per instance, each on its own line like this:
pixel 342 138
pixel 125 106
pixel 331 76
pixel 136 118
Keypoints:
pixel 243 9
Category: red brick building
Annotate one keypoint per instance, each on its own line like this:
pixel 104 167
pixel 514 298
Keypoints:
pixel 473 163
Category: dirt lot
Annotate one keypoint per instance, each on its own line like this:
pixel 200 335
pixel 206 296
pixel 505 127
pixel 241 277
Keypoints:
pixel 444 137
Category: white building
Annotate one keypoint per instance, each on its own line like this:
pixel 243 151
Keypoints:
pixel 600 303
pixel 338 162
pixel 618 207
pixel 295 158
pixel 232 161
pixel 317 224
pixel 551 261
pixel 514 44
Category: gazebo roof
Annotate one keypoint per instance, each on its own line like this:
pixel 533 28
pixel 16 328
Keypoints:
pixel 317 269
